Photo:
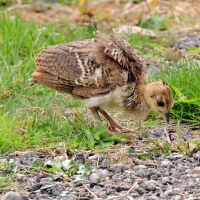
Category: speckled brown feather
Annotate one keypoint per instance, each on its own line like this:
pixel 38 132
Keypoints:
pixel 91 67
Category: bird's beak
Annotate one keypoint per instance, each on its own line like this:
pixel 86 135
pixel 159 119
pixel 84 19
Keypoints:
pixel 165 116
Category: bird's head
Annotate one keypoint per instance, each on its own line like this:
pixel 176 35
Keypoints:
pixel 159 98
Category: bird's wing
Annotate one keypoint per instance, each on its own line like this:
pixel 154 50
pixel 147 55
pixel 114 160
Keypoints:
pixel 121 51
pixel 79 68
pixel 90 67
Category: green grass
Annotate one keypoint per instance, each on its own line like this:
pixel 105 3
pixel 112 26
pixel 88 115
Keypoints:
pixel 183 78
pixel 36 118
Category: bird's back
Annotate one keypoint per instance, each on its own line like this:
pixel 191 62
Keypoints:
pixel 91 67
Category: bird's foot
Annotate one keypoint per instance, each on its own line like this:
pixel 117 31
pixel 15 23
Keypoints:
pixel 117 128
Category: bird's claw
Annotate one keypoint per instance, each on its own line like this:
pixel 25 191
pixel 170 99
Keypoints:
pixel 119 129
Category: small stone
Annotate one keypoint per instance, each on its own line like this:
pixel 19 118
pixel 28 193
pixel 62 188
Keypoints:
pixel 11 160
pixel 192 184
pixel 165 180
pixel 178 190
pixel 117 168
pixel 79 182
pixel 117 178
pixel 24 198
pixel 102 172
pixel 142 198
pixel 11 196
pixel 166 194
pixel 189 171
pixel 150 186
pixel 176 175
pixel 178 197
pixel 153 198
pixel 94 178
pixel 72 196
pixel 112 197
pixel 139 167
pixel 109 191
pixel 35 187
pixel 141 173
pixel 102 194
pixel 175 157
pixel 74 193
pixel 96 187
pixel 140 190
pixel 197 155
pixel 134 194
pixel 196 170
pixel 154 177
pixel 94 157
pixel 130 198
pixel 103 164
pixel 45 180
pixel 64 193
pixel 166 163
pixel 128 180
pixel 80 157
pixel 45 187
pixel 121 188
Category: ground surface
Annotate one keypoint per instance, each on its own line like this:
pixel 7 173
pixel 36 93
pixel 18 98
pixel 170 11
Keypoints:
pixel 163 176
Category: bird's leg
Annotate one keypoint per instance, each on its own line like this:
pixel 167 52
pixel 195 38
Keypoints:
pixel 95 113
pixel 115 126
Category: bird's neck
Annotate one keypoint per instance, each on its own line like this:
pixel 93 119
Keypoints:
pixel 136 103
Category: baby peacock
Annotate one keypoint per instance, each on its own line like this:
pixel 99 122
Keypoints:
pixel 106 73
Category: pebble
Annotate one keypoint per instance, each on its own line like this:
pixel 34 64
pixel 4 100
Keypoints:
pixel 165 180
pixel 117 168
pixel 153 198
pixel 188 41
pixel 149 186
pixel 102 172
pixel 166 163
pixel 94 178
pixel 197 155
pixel 11 196
pixel 166 194
pixel 178 197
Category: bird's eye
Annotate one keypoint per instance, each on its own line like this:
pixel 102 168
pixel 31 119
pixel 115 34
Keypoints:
pixel 160 103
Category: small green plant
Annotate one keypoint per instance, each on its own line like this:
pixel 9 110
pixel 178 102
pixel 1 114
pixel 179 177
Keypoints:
pixel 154 148
pixel 68 168
pixel 155 23
pixel 7 175
pixel 187 147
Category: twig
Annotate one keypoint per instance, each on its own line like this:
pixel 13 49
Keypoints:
pixel 90 191
pixel 122 196
pixel 170 187
pixel 167 135
pixel 131 188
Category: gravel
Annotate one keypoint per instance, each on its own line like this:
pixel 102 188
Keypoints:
pixel 172 177
pixel 188 41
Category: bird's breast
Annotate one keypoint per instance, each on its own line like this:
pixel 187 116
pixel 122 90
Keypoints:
pixel 112 100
